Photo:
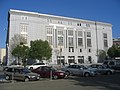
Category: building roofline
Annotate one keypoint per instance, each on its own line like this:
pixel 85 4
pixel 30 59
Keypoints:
pixel 61 17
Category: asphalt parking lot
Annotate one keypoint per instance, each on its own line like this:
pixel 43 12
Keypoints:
pixel 100 82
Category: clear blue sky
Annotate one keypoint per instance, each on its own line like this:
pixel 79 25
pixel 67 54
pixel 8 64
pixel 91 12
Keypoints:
pixel 96 10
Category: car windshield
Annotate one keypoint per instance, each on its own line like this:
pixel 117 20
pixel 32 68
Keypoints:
pixel 25 71
pixel 84 67
pixel 105 62
pixel 104 66
pixel 47 68
pixel 51 68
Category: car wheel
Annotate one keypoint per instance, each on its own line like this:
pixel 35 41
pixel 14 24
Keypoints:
pixel 67 73
pixel 38 78
pixel 31 68
pixel 26 79
pixel 66 76
pixel 55 77
pixel 7 77
pixel 86 74
pixel 108 73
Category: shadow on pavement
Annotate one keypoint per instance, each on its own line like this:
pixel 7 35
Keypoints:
pixel 109 82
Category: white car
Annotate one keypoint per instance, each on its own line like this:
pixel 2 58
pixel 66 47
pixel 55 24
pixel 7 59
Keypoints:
pixel 36 65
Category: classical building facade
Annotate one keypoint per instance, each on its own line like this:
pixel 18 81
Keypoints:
pixel 2 55
pixel 72 40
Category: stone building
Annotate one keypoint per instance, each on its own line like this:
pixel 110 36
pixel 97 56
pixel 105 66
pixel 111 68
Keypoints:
pixel 72 40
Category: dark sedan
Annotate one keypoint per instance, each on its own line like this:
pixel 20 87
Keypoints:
pixel 47 72
pixel 101 69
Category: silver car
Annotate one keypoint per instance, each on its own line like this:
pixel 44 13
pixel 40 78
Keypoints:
pixel 18 73
pixel 101 69
pixel 79 70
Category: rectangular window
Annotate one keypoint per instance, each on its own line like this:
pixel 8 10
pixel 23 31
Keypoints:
pixel 89 50
pixel 80 42
pixel 70 32
pixel 70 41
pixel 80 33
pixel 87 25
pixel 78 24
pixel 24 17
pixel 104 35
pixel 25 37
pixel 59 22
pixel 88 34
pixel 69 23
pixel 49 20
pixel 60 31
pixel 89 42
pixel 60 40
pixel 105 43
pixel 71 49
pixel 105 39
pixel 71 59
pixel 49 30
pixel 23 29
pixel 80 59
pixel 80 50
pixel 49 39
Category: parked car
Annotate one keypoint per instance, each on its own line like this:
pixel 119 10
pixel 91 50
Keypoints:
pixel 1 67
pixel 113 64
pixel 36 65
pixel 47 72
pixel 101 69
pixel 19 73
pixel 6 67
pixel 81 70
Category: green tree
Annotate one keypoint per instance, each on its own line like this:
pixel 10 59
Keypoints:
pixel 15 41
pixel 40 49
pixel 114 51
pixel 102 55
pixel 21 52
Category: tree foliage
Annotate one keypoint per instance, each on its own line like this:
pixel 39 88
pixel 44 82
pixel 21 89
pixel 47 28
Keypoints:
pixel 114 51
pixel 16 40
pixel 102 55
pixel 40 49
pixel 21 52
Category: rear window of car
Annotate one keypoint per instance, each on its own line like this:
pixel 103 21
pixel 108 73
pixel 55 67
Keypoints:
pixel 9 69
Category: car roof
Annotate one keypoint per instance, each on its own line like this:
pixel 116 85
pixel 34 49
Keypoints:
pixel 16 67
